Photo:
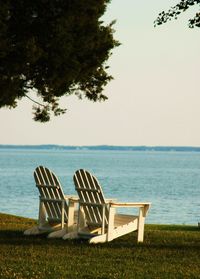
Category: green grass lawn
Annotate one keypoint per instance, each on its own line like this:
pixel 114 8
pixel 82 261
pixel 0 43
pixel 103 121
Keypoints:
pixel 167 252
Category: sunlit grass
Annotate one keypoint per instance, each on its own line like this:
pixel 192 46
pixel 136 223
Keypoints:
pixel 167 252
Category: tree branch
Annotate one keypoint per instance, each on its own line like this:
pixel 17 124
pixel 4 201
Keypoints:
pixel 34 101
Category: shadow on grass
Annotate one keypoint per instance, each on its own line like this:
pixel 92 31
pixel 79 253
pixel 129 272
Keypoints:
pixel 16 237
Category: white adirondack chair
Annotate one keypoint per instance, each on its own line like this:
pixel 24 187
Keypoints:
pixel 56 210
pixel 99 221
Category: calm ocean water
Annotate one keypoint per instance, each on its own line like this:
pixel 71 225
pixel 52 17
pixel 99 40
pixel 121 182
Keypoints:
pixel 170 180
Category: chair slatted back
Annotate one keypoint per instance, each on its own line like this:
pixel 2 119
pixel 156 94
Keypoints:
pixel 91 198
pixel 51 193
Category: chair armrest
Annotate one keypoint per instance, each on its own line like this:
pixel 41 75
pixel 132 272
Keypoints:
pixel 72 198
pixel 130 204
pixel 143 206
pixel 110 200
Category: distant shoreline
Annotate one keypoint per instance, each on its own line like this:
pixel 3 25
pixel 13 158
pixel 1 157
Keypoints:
pixel 103 147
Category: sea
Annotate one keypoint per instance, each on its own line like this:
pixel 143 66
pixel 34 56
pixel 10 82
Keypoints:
pixel 170 180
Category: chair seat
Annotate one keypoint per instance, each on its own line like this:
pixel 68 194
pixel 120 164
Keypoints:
pixel 122 219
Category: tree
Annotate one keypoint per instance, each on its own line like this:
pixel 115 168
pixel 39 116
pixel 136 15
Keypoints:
pixel 55 47
pixel 175 11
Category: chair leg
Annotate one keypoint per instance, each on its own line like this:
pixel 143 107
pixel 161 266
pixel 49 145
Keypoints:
pixel 111 223
pixel 141 220
pixel 63 214
pixel 98 239
pixel 57 234
pixel 71 235
pixel 70 223
pixel 42 215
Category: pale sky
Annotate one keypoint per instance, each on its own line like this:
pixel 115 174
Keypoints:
pixel 154 98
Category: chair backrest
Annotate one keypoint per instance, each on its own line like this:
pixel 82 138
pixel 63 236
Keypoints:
pixel 91 198
pixel 51 193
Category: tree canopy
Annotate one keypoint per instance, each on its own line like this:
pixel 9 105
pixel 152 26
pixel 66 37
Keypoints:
pixel 55 47
pixel 176 10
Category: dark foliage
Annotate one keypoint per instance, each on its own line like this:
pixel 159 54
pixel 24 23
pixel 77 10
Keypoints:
pixel 175 11
pixel 57 48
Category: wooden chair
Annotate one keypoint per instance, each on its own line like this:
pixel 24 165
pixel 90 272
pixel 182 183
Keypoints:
pixel 97 217
pixel 56 210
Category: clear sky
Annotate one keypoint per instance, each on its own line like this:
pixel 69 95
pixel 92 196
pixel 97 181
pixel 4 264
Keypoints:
pixel 154 98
